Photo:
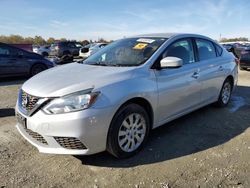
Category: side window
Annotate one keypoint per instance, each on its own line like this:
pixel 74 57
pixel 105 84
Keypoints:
pixel 182 49
pixel 22 53
pixel 16 52
pixel 4 51
pixel 206 49
pixel 219 50
pixel 71 45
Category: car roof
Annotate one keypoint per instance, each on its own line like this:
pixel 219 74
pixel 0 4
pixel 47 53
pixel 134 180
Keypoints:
pixel 159 35
pixel 170 35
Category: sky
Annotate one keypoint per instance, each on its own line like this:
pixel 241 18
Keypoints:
pixel 114 19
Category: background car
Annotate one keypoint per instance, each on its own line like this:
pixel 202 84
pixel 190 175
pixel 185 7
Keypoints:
pixel 43 50
pixel 90 49
pixel 35 48
pixel 17 62
pixel 235 47
pixel 65 48
pixel 245 59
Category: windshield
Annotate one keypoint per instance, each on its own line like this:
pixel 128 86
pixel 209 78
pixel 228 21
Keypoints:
pixel 126 52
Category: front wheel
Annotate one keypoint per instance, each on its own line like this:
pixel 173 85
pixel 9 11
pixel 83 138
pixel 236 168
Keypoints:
pixel 128 131
pixel 225 94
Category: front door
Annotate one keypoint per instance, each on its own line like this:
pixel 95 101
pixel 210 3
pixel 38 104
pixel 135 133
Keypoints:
pixel 179 88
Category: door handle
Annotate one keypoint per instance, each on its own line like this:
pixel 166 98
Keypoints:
pixel 195 75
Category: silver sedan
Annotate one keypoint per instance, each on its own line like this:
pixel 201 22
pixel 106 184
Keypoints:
pixel 112 100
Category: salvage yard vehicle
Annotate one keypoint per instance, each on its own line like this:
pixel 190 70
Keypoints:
pixel 62 48
pixel 112 100
pixel 43 50
pixel 90 49
pixel 245 59
pixel 17 62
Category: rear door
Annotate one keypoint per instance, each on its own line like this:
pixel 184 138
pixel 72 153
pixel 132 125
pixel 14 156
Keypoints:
pixel 179 88
pixel 19 61
pixel 24 61
pixel 212 69
pixel 12 61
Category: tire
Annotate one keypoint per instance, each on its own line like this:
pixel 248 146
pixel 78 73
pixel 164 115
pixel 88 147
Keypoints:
pixel 225 94
pixel 125 139
pixel 37 68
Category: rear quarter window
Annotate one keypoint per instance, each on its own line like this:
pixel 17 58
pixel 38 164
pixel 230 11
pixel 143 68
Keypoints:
pixel 206 49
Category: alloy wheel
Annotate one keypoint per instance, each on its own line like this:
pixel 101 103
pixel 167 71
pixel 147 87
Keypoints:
pixel 132 132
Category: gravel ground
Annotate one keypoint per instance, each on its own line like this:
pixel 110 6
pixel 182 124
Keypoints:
pixel 207 148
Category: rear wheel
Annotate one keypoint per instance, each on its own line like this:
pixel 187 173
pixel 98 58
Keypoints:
pixel 225 93
pixel 128 131
pixel 37 69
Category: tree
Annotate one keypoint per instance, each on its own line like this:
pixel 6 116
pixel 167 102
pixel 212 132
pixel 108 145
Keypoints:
pixel 85 42
pixel 38 40
pixel 234 39
pixel 29 40
pixel 51 40
pixel 63 39
pixel 15 39
pixel 102 40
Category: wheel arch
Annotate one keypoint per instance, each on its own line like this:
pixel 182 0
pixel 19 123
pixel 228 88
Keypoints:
pixel 143 103
pixel 231 79
pixel 35 64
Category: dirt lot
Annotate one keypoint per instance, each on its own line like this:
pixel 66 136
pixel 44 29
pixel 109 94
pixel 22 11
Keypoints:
pixel 207 148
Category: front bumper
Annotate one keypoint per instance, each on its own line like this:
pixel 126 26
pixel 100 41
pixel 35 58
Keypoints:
pixel 89 127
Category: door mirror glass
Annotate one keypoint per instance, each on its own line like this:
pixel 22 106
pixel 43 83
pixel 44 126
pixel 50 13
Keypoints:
pixel 171 62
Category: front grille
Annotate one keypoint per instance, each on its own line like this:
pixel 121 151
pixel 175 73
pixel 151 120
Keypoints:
pixel 36 136
pixel 28 102
pixel 70 143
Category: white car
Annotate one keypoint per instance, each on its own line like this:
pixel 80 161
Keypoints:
pixel 90 49
pixel 113 99
pixel 43 50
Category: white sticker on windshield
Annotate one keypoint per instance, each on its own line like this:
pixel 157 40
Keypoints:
pixel 145 40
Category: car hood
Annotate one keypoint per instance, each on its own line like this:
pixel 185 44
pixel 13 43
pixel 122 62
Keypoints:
pixel 66 79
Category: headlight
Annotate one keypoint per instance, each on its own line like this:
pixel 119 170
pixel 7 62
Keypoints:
pixel 71 103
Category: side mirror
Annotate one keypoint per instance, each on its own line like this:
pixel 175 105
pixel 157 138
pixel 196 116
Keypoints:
pixel 171 62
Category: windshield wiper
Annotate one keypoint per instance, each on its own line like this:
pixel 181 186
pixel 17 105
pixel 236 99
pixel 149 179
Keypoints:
pixel 112 65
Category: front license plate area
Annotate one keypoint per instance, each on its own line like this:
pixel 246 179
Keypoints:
pixel 21 120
